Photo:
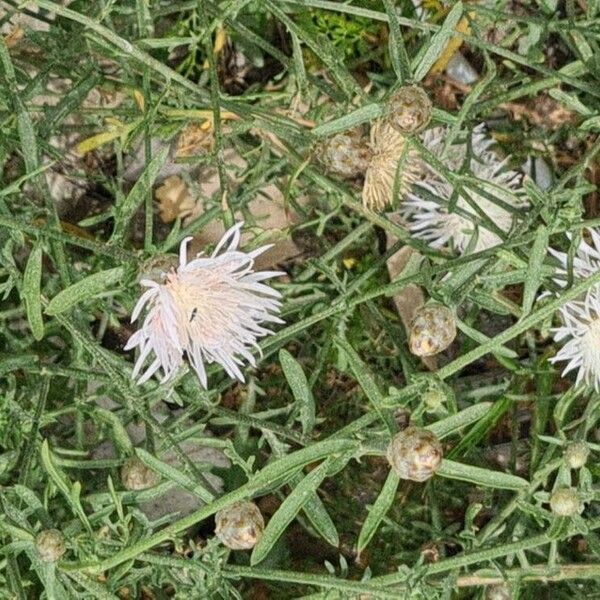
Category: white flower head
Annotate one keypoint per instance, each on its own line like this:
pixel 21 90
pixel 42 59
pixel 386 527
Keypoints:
pixel 431 220
pixel 580 317
pixel 585 262
pixel 210 308
pixel 581 329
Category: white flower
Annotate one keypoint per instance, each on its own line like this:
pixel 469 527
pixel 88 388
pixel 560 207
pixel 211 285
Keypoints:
pixel 581 327
pixel 580 317
pixel 210 308
pixel 431 220
pixel 585 262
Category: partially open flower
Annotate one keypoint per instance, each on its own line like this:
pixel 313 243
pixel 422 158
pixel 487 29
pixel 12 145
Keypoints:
pixel 346 154
pixel 240 526
pixel 210 308
pixel 50 545
pixel 391 160
pixel 576 455
pixel 415 454
pixel 581 331
pixel 496 195
pixel 433 329
pixel 136 476
pixel 409 110
pixel 565 502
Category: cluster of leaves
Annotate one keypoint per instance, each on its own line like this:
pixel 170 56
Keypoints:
pixel 306 435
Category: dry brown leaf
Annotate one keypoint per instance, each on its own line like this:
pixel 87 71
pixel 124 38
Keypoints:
pixel 412 297
pixel 174 199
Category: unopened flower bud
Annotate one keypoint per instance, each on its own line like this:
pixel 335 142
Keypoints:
pixel 432 330
pixel 415 454
pixel 135 475
pixel 576 455
pixel 409 110
pixel 499 591
pixel 50 545
pixel 240 526
pixel 565 502
pixel 346 154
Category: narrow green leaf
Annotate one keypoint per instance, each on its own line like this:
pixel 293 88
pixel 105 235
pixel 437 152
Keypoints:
pixel 317 514
pixel 433 49
pixel 367 382
pixel 534 271
pixel 63 483
pixel 479 476
pixel 25 125
pixel 398 55
pixel 481 338
pixel 456 422
pixel 120 435
pixel 364 114
pixel 126 210
pixel 30 293
pixel 484 425
pixel 89 287
pixel 300 389
pixel 378 511
pixel 272 475
pixel 174 475
pixel 593 123
pixel 288 510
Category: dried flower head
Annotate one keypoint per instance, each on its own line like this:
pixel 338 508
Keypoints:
pixel 210 308
pixel 426 207
pixel 50 545
pixel 580 330
pixel 415 454
pixel 346 154
pixel 240 526
pixel 576 455
pixel 136 476
pixel 409 109
pixel 565 502
pixel 390 159
pixel 174 199
pixel 196 138
pixel 433 329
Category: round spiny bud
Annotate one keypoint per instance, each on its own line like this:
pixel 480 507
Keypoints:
pixel 157 267
pixel 432 330
pixel 135 475
pixel 240 526
pixel 499 591
pixel 576 455
pixel 415 454
pixel 347 154
pixel 409 109
pixel 50 545
pixel 565 502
